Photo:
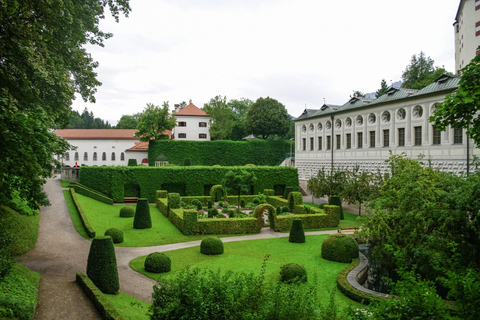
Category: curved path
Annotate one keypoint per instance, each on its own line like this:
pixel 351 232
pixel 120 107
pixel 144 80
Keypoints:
pixel 60 252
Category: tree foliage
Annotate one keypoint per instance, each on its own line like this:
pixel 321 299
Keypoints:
pixel 221 118
pixel 383 89
pixel 460 108
pixel 267 116
pixel 154 121
pixel 43 63
pixel 86 120
pixel 128 121
pixel 238 182
pixel 358 187
pixel 327 183
pixel 421 72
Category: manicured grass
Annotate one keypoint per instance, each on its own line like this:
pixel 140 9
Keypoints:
pixel 74 214
pixel 247 256
pixel 103 216
pixel 64 184
pixel 128 306
pixel 23 228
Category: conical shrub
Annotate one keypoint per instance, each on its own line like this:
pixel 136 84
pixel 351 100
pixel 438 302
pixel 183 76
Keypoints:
pixel 336 201
pixel 297 234
pixel 142 215
pixel 102 265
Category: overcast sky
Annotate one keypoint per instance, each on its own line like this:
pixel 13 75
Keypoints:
pixel 298 52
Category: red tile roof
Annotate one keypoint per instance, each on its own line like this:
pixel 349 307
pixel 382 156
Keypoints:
pixel 76 134
pixel 139 146
pixel 191 110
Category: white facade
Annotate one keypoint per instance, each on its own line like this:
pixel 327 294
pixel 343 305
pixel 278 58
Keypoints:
pixel 192 128
pixel 397 122
pixel 467 33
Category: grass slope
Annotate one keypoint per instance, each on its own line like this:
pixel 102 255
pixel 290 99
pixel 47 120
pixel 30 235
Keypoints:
pixel 74 214
pixel 128 306
pixel 24 229
pixel 247 256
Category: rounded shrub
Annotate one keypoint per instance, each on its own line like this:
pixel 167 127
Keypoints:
pixel 102 265
pixel 127 212
pixel 158 262
pixel 116 235
pixel 293 272
pixel 211 246
pixel 212 212
pixel 297 235
pixel 256 201
pixel 209 204
pixel 242 203
pixel 231 213
pixel 142 215
pixel 197 204
pixel 339 247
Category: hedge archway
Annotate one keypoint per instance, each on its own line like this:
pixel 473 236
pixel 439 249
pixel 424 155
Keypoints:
pixel 272 213
pixel 218 188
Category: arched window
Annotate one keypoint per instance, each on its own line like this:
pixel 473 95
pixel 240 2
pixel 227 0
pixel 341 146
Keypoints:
pixel 122 156
pixel 85 156
pixel 76 156
pixel 94 156
pixel 67 156
pixel 104 156
pixel 113 156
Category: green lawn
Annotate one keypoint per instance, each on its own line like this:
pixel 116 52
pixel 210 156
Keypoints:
pixel 129 307
pixel 247 256
pixel 64 184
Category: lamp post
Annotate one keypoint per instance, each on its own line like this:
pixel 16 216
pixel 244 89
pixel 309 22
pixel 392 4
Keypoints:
pixel 291 140
pixel 333 135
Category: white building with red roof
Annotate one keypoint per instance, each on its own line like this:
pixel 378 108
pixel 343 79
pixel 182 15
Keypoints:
pixel 193 124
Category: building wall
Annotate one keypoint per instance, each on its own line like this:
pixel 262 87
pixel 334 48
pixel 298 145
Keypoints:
pixel 192 130
pixel 467 33
pixel 138 155
pixel 446 156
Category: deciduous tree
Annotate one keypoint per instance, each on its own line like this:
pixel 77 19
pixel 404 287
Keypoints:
pixel 221 118
pixel 267 116
pixel 154 121
pixel 238 182
pixel 128 121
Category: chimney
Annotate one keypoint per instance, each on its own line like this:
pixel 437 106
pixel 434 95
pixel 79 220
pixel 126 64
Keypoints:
pixel 177 107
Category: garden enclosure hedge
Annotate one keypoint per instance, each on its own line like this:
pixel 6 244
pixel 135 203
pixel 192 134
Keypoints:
pixel 221 152
pixel 117 182
pixel 91 193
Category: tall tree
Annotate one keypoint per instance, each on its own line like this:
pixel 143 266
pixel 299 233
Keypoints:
pixel 239 108
pixel 383 89
pixel 267 116
pixel 460 108
pixel 154 121
pixel 128 121
pixel 421 72
pixel 358 187
pixel 221 118
pixel 238 182
pixel 43 63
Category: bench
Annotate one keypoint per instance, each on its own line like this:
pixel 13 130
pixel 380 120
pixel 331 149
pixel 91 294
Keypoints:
pixel 345 230
pixel 130 199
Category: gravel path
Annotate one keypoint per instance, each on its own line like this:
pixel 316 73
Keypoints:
pixel 60 252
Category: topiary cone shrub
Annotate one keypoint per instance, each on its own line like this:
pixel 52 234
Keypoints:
pixel 142 215
pixel 293 272
pixel 158 262
pixel 115 234
pixel 297 235
pixel 339 247
pixel 102 265
pixel 132 162
pixel 127 212
pixel 336 201
pixel 211 246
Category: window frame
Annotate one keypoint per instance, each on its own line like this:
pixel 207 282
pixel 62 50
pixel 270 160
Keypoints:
pixel 457 136
pixel 436 136
pixel 359 140
pixel 386 138
pixel 349 140
pixel 182 124
pixel 372 139
pixel 417 134
pixel 401 137
pixel 182 135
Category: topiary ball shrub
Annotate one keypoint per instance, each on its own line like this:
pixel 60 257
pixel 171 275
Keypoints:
pixel 293 272
pixel 102 265
pixel 127 212
pixel 297 235
pixel 158 262
pixel 211 246
pixel 115 234
pixel 339 247
pixel 142 215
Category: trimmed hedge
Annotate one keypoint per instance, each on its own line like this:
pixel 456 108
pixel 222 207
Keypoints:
pixel 161 194
pixel 268 192
pixel 158 262
pixel 102 265
pixel 106 309
pixel 211 246
pixel 288 189
pixel 220 152
pixel 295 198
pixel 142 220
pixel 259 210
pixel 293 272
pixel 277 202
pixel 112 180
pixel 336 201
pixel 340 248
pixel 329 219
pixel 189 221
pixel 86 225
pixel 127 212
pixel 218 188
pixel 174 200
pixel 132 162
pixel 297 235
pixel 91 193
pixel 116 234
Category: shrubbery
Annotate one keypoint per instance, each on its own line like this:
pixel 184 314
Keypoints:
pixel 127 212
pixel 293 272
pixel 211 246
pixel 142 220
pixel 158 262
pixel 339 247
pixel 336 201
pixel 132 162
pixel 294 198
pixel 116 235
pixel 102 265
pixel 174 200
pixel 297 234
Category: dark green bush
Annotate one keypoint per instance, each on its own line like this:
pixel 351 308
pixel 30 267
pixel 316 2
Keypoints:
pixel 256 201
pixel 158 262
pixel 285 209
pixel 116 235
pixel 210 204
pixel 174 200
pixel 197 204
pixel 127 212
pixel 336 201
pixel 211 246
pixel 212 212
pixel 102 265
pixel 187 162
pixel 142 219
pixel 294 198
pixel 231 213
pixel 307 209
pixel 297 234
pixel 242 203
pixel 339 247
pixel 132 162
pixel 293 272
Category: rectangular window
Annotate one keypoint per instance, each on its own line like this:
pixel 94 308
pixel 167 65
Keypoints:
pixel 202 136
pixel 359 140
pixel 477 5
pixel 372 139
pixel 418 136
pixel 457 136
pixel 349 140
pixel 182 124
pixel 304 144
pixel 401 137
pixel 85 156
pixel 319 143
pixel 311 144
pixel 329 143
pixel 386 138
pixel 202 124
pixel 436 136
pixel 182 135
pixel 338 141
pixel 477 29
